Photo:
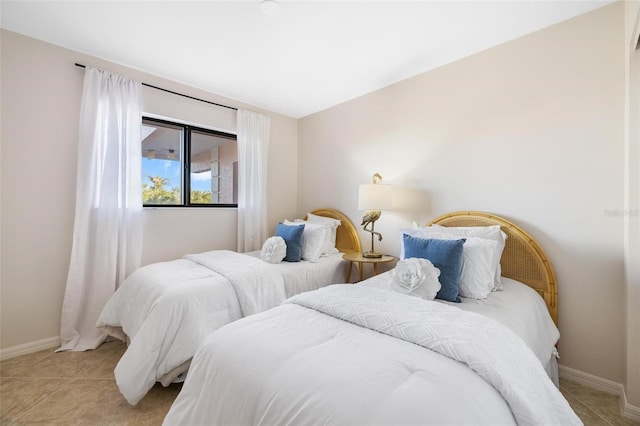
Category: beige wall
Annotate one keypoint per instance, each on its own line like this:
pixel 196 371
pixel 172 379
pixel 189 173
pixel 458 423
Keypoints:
pixel 41 91
pixel 632 225
pixel 532 130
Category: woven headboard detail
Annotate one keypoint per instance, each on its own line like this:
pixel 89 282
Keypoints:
pixel 522 259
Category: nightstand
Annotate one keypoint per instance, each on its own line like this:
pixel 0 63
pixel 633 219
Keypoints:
pixel 358 258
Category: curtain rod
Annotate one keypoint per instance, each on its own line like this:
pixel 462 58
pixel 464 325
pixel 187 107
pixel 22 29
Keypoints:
pixel 176 93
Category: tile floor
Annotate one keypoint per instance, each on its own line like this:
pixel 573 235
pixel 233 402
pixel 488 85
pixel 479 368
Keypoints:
pixel 78 388
pixel 74 388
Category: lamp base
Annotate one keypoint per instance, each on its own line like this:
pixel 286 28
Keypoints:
pixel 371 254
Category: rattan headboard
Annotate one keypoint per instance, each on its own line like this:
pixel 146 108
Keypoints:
pixel 347 239
pixel 522 259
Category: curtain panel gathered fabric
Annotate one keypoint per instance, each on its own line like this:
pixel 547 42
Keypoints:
pixel 107 234
pixel 253 150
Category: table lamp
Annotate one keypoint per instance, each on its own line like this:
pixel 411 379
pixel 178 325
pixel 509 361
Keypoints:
pixel 373 197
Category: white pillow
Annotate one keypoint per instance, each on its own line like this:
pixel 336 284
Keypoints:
pixel 273 250
pixel 489 232
pixel 314 238
pixel 416 277
pixel 330 246
pixel 478 270
pixel 478 264
pixel 327 247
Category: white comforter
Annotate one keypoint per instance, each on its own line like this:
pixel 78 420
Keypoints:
pixel 165 310
pixel 355 355
pixel 516 306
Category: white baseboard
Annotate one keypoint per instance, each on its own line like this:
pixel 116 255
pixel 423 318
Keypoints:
pixel 629 411
pixel 28 348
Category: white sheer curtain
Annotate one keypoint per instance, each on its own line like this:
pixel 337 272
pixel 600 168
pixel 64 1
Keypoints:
pixel 253 150
pixel 107 234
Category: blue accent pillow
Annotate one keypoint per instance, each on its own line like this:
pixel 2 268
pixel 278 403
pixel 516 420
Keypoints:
pixel 292 236
pixel 445 255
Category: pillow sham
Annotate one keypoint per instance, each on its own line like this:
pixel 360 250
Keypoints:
pixel 416 277
pixel 478 270
pixel 492 232
pixel 446 255
pixel 314 238
pixel 292 236
pixel 273 250
pixel 330 246
pixel 327 247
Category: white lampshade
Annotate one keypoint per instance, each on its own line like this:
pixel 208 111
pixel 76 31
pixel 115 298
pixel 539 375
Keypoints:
pixel 374 197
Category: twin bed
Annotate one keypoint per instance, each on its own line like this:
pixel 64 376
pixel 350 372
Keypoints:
pixel 361 354
pixel 163 311
pixel 342 353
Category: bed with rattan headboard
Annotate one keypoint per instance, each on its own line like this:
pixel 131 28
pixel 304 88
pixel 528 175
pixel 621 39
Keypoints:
pixel 164 310
pixel 408 344
pixel 522 259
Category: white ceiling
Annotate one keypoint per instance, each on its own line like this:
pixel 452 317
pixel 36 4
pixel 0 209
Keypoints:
pixel 314 55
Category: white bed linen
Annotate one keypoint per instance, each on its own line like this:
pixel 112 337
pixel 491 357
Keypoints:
pixel 297 365
pixel 516 306
pixel 164 310
pixel 310 275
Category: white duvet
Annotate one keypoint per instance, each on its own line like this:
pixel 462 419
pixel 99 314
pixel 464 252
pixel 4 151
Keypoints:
pixel 165 310
pixel 516 306
pixel 350 354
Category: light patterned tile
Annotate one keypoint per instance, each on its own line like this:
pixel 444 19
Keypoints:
pixel 151 410
pixel 605 405
pixel 114 345
pixel 13 366
pixel 588 416
pixel 68 364
pixel 19 394
pixel 81 401
pixel 104 369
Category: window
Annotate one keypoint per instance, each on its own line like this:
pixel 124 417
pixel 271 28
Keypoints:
pixel 207 178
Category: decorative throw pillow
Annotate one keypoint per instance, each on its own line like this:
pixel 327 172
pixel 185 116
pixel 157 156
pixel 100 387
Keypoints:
pixel 273 250
pixel 446 255
pixel 292 236
pixel 416 277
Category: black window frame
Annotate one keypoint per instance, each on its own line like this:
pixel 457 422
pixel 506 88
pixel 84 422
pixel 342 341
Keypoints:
pixel 186 165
